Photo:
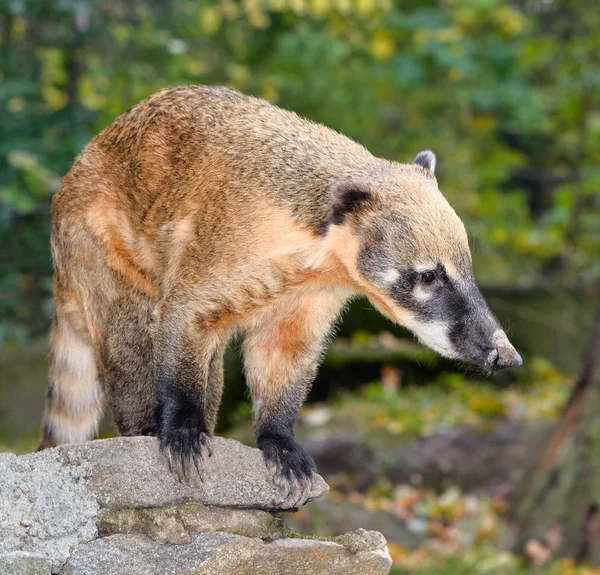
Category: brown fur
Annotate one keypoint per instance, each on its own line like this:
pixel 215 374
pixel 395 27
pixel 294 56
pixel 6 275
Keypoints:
pixel 198 214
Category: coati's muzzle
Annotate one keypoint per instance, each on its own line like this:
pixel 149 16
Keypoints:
pixel 478 337
pixel 454 319
pixel 502 356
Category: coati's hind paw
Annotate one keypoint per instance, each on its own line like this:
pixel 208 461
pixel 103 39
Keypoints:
pixel 291 468
pixel 185 448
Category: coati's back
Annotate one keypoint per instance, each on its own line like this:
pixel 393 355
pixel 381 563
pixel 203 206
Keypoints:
pixel 207 154
pixel 204 142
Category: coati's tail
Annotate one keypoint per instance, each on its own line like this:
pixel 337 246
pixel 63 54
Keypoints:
pixel 73 399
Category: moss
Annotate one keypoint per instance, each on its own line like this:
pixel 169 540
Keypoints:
pixel 174 524
pixel 291 533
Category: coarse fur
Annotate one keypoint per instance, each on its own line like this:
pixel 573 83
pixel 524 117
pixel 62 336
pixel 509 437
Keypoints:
pixel 203 213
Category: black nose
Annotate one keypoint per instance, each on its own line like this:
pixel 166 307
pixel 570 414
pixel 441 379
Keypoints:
pixel 503 360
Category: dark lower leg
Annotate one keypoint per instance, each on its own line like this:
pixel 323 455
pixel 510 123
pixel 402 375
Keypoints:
pixel 274 429
pixel 181 418
pixel 291 466
pixel 183 365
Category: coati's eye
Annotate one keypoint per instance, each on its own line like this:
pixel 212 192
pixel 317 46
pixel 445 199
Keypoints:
pixel 427 277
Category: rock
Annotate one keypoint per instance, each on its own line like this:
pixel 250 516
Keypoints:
pixel 223 553
pixel 45 506
pixel 127 472
pixel 54 500
pixel 55 504
pixel 175 524
pixel 23 563
pixel 361 540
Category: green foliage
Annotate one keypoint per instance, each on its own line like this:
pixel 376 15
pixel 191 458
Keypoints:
pixel 506 94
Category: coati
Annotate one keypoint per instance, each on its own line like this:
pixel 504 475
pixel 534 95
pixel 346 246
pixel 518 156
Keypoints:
pixel 203 213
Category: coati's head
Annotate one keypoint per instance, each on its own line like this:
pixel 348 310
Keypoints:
pixel 407 250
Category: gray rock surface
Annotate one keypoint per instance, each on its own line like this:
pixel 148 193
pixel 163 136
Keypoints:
pixel 112 506
pixel 23 563
pixel 224 553
pixel 128 472
pixel 175 524
pixel 45 506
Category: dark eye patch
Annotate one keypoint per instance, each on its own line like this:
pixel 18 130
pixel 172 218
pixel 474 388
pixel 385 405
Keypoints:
pixel 401 290
pixel 447 304
pixel 441 272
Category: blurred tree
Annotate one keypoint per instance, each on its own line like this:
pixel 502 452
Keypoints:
pixel 558 503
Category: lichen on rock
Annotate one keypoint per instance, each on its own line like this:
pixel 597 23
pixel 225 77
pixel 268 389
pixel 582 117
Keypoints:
pixel 175 524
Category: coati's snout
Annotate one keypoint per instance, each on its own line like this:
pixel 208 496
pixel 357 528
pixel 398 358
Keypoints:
pixel 447 312
pixel 476 335
pixel 414 255
pixel 455 320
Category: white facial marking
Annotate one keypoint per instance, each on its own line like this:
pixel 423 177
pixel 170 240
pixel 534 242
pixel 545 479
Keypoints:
pixel 451 271
pixel 421 294
pixel 499 337
pixel 501 343
pixel 433 334
pixel 390 276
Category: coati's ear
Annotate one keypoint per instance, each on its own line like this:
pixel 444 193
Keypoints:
pixel 349 198
pixel 426 159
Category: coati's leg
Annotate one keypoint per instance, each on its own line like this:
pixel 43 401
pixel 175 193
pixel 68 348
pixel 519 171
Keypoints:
pixel 188 367
pixel 215 387
pixel 73 398
pixel 127 376
pixel 281 360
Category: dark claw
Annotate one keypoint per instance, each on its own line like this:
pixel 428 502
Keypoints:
pixel 184 449
pixel 197 466
pixel 183 461
pixel 297 492
pixel 290 467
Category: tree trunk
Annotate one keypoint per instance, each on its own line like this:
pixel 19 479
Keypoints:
pixel 558 502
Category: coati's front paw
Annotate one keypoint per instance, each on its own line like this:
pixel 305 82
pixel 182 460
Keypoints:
pixel 185 447
pixel 291 467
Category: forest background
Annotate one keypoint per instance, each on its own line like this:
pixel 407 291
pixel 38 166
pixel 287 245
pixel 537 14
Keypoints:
pixel 508 96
